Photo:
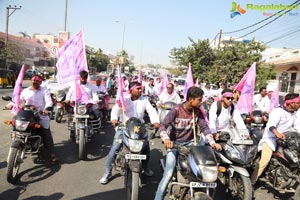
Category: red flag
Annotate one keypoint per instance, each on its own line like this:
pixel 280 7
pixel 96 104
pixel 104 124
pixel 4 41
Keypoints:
pixel 246 99
pixel 71 59
pixel 189 82
pixel 17 91
pixel 120 97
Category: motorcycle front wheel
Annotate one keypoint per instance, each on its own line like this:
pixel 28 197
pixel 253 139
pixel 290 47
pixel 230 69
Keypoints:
pixel 241 188
pixel 132 185
pixel 81 154
pixel 59 115
pixel 14 161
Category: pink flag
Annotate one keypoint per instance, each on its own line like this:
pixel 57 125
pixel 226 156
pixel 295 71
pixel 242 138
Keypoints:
pixel 163 84
pixel 274 101
pixel 140 78
pixel 241 84
pixel 71 59
pixel 79 94
pixel 120 97
pixel 17 92
pixel 189 82
pixel 246 98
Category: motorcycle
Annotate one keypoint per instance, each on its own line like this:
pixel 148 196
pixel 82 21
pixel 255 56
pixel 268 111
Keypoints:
pixel 195 174
pixel 238 153
pixel 256 120
pixel 128 160
pixel 153 99
pixel 283 171
pixel 83 126
pixel 24 138
pixel 62 107
pixel 102 105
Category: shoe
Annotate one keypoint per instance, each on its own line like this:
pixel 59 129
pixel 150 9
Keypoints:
pixel 105 178
pixel 148 172
pixel 54 159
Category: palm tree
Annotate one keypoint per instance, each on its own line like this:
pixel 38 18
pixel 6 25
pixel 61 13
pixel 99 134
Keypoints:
pixel 25 35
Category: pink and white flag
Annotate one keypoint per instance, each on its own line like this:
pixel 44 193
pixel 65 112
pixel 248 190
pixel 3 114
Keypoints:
pixel 164 84
pixel 17 92
pixel 274 101
pixel 189 82
pixel 140 78
pixel 71 59
pixel 120 96
pixel 241 84
pixel 246 98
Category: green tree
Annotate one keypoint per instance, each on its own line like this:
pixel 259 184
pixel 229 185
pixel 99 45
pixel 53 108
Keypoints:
pixel 97 60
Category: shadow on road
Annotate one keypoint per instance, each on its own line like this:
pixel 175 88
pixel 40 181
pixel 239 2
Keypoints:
pixel 3 164
pixel 13 193
pixel 54 196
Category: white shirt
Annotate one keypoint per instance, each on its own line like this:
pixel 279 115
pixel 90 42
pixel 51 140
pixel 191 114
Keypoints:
pixel 283 121
pixel 41 99
pixel 206 94
pixel 89 93
pixel 101 88
pixel 136 109
pixel 165 96
pixel 264 104
pixel 150 90
pixel 221 123
pixel 257 100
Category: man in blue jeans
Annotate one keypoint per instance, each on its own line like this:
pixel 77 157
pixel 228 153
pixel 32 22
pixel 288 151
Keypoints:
pixel 181 117
pixel 135 106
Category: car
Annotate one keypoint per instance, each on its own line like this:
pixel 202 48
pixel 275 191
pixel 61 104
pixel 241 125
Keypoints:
pixel 94 77
pixel 30 73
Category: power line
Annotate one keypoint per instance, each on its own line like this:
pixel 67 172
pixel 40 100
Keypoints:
pixel 260 21
pixel 284 35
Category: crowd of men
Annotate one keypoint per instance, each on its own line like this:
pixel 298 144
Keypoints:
pixel 181 116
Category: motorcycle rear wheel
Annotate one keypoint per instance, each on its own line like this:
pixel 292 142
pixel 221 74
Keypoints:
pixel 59 115
pixel 132 185
pixel 81 154
pixel 14 162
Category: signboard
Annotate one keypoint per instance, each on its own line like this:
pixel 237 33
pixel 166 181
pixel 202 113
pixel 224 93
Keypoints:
pixel 62 38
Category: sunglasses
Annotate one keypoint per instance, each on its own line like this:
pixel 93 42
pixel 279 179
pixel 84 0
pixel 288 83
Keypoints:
pixel 229 98
pixel 169 88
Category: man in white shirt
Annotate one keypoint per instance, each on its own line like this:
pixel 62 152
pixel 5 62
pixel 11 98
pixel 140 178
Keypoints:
pixel 281 121
pixel 135 106
pixel 258 98
pixel 219 120
pixel 41 99
pixel 168 95
pixel 149 88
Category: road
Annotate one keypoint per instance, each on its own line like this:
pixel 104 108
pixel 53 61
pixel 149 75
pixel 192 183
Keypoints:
pixel 74 179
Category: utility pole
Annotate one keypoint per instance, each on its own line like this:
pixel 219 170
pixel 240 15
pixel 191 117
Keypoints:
pixel 220 37
pixel 66 12
pixel 6 28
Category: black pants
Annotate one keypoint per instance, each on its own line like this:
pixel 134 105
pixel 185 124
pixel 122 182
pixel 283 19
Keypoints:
pixel 47 139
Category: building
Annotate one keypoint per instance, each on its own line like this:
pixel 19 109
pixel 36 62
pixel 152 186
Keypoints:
pixel 287 67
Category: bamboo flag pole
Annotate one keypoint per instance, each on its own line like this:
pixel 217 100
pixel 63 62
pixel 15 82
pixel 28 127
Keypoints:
pixel 194 128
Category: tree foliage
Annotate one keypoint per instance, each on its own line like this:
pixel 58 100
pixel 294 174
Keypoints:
pixel 227 64
pixel 97 60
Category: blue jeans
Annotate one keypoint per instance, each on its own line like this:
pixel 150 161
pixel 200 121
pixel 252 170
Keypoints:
pixel 168 173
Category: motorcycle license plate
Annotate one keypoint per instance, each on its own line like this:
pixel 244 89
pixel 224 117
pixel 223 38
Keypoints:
pixel 135 157
pixel 246 142
pixel 203 185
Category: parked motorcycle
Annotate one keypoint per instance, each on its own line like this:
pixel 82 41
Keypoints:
pixel 238 152
pixel 283 170
pixel 195 174
pixel 128 161
pixel 24 138
pixel 61 107
pixel 83 126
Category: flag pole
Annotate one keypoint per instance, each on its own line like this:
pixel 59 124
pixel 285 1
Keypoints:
pixel 194 128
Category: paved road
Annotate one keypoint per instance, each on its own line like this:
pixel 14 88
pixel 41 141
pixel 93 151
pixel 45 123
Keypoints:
pixel 74 179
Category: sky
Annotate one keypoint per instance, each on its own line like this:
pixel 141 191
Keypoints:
pixel 152 27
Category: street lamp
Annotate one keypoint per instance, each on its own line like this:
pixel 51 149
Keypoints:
pixel 6 28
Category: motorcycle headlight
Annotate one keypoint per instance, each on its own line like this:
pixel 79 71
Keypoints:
pixel 209 173
pixel 81 110
pixel 258 120
pixel 21 125
pixel 135 145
